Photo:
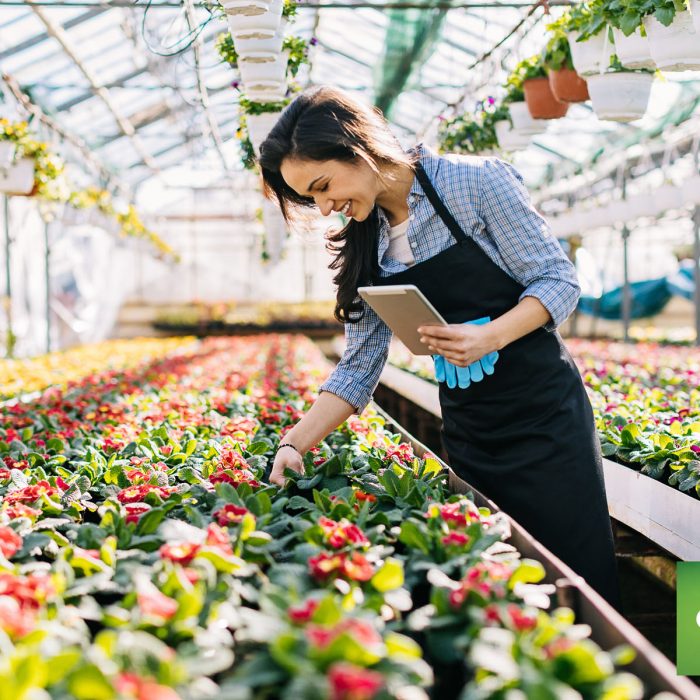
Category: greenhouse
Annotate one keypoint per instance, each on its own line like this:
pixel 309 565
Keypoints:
pixel 350 350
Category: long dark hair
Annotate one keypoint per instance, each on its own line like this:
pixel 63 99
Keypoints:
pixel 321 124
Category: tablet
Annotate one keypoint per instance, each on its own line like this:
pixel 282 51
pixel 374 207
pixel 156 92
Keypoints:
pixel 403 308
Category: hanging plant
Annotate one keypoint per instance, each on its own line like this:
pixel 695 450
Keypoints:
pixel 469 133
pixel 289 9
pixel 298 49
pixel 538 93
pixel 252 107
pixel 246 145
pixel 564 81
pixel 227 49
pixel 48 167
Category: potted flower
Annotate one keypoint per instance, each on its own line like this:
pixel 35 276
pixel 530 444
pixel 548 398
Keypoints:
pixel 34 170
pixel 620 94
pixel 467 134
pixel 260 117
pixel 589 40
pixel 538 94
pixel 566 84
pixel 674 41
pixel 630 37
pixel 520 116
pixel 264 25
pixel 508 138
pixel 245 7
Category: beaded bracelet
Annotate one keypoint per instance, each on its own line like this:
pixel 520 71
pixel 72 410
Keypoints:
pixel 289 444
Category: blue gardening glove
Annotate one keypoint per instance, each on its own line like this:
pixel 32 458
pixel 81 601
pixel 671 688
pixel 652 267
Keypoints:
pixel 462 377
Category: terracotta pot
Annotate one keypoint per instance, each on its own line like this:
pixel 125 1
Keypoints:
pixel 568 86
pixel 541 101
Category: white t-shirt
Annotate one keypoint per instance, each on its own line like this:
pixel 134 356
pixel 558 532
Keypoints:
pixel 399 249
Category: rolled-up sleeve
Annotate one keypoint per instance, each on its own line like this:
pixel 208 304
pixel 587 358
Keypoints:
pixel 531 253
pixel 357 374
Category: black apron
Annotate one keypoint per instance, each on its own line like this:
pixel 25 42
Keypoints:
pixel 525 436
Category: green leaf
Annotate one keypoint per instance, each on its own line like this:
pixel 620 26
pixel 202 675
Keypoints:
pixel 412 535
pixel 259 447
pixel 89 683
pixel 389 577
pixel 190 447
pixel 405 648
pixel 149 521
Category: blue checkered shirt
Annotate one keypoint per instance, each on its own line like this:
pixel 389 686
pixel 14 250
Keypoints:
pixel 489 201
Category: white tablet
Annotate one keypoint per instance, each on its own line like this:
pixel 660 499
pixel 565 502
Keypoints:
pixel 403 308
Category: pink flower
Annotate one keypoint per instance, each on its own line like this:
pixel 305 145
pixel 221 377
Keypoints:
pixel 182 553
pixel 10 542
pixel 349 682
pixel 153 603
pixel 134 511
pixel 230 514
pixel 301 614
pixel 455 539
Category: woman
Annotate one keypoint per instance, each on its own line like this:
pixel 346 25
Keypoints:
pixel 518 426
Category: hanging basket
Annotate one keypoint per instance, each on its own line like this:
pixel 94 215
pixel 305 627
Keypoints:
pixel 620 97
pixel 267 92
pixel 7 153
pixel 541 101
pixel 568 86
pixel 509 139
pixel 589 56
pixel 523 121
pixel 254 72
pixel 259 126
pixel 633 50
pixel 695 11
pixel 248 8
pixel 263 26
pixel 676 47
pixel 262 50
pixel 18 178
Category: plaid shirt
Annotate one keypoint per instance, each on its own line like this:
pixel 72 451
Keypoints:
pixel 490 203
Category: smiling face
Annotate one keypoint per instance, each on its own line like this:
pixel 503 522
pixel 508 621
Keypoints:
pixel 348 187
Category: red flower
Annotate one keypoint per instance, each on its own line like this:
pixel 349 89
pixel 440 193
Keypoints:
pixel 455 539
pixel 230 514
pixel 403 453
pixel 302 614
pixel 339 534
pixel 136 493
pixel 362 496
pixel 135 510
pixel 218 539
pixel 354 567
pixel 521 620
pixel 235 477
pixel 360 630
pixel 30 591
pixel 458 514
pixel 154 603
pixel 182 553
pixel 15 620
pixel 133 686
pixel 5 474
pixel 19 510
pixel 349 682
pixel 31 493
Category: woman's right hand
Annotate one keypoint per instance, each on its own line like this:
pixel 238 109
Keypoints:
pixel 286 458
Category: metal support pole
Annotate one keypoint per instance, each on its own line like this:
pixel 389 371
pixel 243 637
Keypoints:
pixel 47 280
pixel 7 299
pixel 626 291
pixel 696 270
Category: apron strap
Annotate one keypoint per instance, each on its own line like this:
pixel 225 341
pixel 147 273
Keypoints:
pixel 438 204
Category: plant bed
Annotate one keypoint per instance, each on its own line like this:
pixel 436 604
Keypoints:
pixel 144 554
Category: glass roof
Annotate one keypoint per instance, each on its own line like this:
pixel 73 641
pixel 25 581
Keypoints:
pixel 124 80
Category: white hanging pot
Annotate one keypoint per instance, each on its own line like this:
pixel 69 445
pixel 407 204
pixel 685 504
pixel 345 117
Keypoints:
pixel 590 56
pixel 253 72
pixel 620 97
pixel 269 91
pixel 245 7
pixel 260 26
pixel 259 126
pixel 633 50
pixel 509 139
pixel 18 178
pixel 523 121
pixel 695 11
pixel 7 153
pixel 256 49
pixel 676 47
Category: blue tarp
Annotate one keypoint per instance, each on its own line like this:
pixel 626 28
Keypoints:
pixel 648 297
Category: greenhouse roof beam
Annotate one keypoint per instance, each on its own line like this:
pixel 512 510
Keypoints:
pixel 119 82
pixel 38 38
pixel 214 131
pixel 124 124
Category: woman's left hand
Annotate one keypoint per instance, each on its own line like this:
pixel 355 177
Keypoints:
pixel 461 344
